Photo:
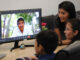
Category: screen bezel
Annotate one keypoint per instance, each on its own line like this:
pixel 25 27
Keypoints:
pixel 12 39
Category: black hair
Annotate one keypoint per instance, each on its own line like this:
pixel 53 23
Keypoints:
pixel 48 39
pixel 75 24
pixel 20 19
pixel 69 7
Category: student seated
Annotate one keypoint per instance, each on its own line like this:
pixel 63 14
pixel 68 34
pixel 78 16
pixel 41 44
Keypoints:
pixel 72 31
pixel 45 44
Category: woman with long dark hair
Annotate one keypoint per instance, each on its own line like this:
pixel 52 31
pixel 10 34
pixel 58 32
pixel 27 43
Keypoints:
pixel 66 10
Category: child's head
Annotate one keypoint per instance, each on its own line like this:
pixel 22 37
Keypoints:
pixel 72 29
pixel 46 42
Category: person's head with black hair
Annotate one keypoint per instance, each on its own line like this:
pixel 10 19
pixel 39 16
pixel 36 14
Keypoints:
pixel 66 11
pixel 46 42
pixel 20 23
pixel 72 31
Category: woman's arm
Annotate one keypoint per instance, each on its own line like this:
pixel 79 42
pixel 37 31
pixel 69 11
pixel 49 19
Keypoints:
pixel 58 33
pixel 65 42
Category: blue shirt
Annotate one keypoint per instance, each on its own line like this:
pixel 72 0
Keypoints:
pixel 46 57
pixel 41 57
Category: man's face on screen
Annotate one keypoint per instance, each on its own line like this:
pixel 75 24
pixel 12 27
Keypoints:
pixel 21 25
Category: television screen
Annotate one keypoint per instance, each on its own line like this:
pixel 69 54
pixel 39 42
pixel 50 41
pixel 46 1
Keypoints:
pixel 19 24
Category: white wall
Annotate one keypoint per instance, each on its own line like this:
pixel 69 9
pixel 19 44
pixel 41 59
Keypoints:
pixel 48 6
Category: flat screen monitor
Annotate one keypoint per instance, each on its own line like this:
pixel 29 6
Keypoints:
pixel 19 24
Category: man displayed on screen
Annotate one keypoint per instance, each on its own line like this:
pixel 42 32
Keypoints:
pixel 21 29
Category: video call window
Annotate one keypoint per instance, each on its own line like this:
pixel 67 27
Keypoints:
pixel 28 25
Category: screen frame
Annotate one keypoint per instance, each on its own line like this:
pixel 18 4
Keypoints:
pixel 12 39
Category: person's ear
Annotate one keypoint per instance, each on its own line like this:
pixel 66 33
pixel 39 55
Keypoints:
pixel 41 47
pixel 76 32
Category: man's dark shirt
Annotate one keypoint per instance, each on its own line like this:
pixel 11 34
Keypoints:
pixel 41 57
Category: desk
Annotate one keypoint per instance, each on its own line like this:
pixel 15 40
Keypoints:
pixel 19 53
